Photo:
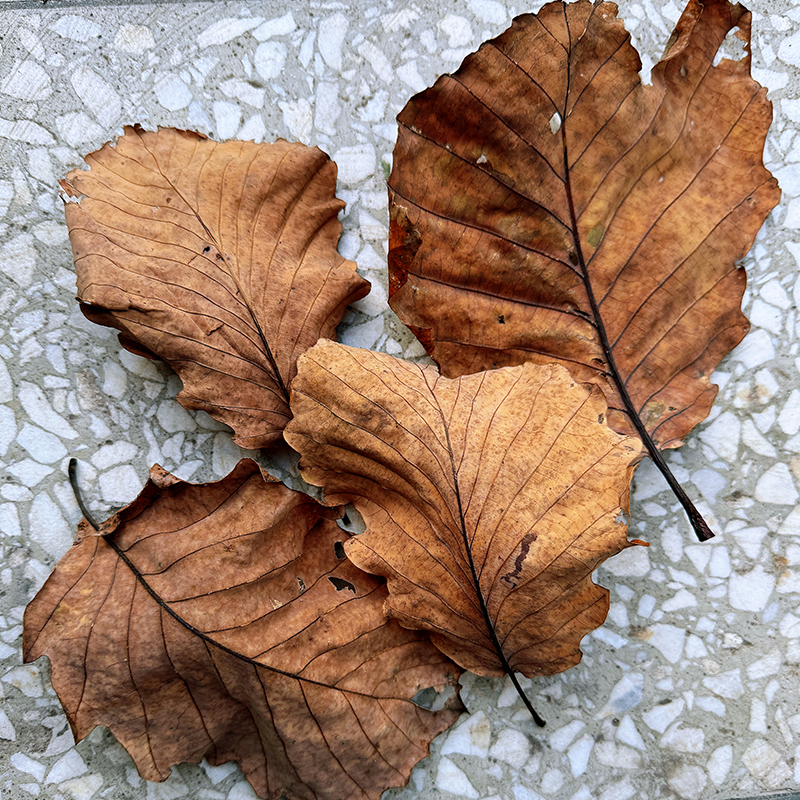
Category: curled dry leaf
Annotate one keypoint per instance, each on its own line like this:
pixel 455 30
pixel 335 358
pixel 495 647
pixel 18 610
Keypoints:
pixel 485 512
pixel 223 621
pixel 219 258
pixel 548 206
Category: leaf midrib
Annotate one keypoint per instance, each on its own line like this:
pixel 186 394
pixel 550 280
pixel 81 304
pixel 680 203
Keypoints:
pixel 700 526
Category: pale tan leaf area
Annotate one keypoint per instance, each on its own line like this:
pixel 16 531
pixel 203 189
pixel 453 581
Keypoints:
pixel 219 258
pixel 488 499
pixel 224 621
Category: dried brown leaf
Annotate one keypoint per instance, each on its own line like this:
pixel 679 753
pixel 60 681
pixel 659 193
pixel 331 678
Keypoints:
pixel 548 206
pixel 485 512
pixel 223 621
pixel 219 258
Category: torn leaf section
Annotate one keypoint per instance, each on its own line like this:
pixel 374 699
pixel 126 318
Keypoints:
pixel 184 631
pixel 219 258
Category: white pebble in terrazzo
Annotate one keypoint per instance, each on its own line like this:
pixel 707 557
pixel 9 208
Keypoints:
pixel 488 11
pixel 269 59
pixel 683 740
pixel 668 640
pixel 278 26
pixel 82 788
pixel 44 447
pixel 561 738
pixel 331 37
pixel 174 417
pixel 40 411
pixel 776 486
pixel 512 747
pixel 634 562
pixel 688 781
pixel 449 778
pixel 172 92
pixel 579 754
pixel 226 454
pixel 620 790
pixel 626 694
pixel 25 678
pixel 751 591
pixel 356 163
pixel 70 765
pixel 723 435
pixel 25 764
pixel 617 756
pixel 660 717
pixel 27 81
pixel 727 685
pixel 241 791
pixel 227 117
pixel 120 485
pixel 770 664
pixel 628 734
pixel 765 763
pixel 719 764
pixel 470 738
pixel 134 39
pixel 226 29
pixel 29 473
pixel 110 454
pixel 552 781
pixel 18 257
pixel 97 95
pixel 47 526
pixel 7 731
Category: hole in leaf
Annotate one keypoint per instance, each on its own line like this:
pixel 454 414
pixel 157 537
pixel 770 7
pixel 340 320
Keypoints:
pixel 432 699
pixel 338 549
pixel 555 122
pixel 351 521
pixel 341 583
pixel 733 47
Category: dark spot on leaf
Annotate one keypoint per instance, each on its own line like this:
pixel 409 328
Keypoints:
pixel 206 248
pixel 511 577
pixel 502 319
pixel 340 583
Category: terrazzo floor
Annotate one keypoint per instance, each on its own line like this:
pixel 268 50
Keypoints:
pixel 691 688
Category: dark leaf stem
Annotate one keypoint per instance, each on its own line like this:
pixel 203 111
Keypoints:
pixel 700 526
pixel 476 582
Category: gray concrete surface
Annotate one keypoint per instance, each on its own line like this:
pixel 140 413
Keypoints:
pixel 690 690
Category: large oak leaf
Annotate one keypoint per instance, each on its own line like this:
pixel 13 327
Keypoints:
pixel 548 206
pixel 486 512
pixel 223 620
pixel 219 258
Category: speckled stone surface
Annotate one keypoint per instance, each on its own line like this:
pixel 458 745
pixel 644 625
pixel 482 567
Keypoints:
pixel 689 691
